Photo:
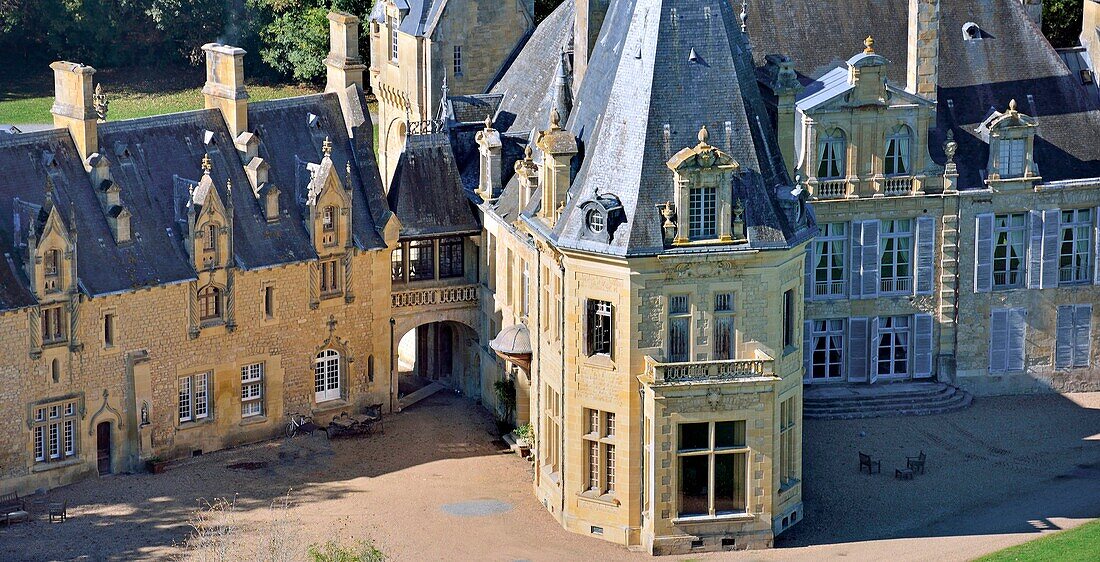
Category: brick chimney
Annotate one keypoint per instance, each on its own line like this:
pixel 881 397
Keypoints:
pixel 224 87
pixel 586 29
pixel 922 72
pixel 73 108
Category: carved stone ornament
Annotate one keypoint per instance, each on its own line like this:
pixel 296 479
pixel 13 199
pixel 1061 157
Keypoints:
pixel 714 398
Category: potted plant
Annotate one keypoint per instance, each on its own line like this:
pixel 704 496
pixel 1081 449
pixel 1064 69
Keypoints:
pixel 525 436
pixel 156 464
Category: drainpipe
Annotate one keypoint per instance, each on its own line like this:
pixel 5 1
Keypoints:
pixel 393 369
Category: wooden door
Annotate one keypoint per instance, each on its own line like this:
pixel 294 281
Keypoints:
pixel 103 447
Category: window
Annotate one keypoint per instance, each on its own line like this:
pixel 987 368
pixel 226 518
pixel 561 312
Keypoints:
pixel 252 390
pixel 679 328
pixel 595 221
pixel 788 318
pixel 832 154
pixel 194 395
pixel 703 213
pixel 893 346
pixel 829 253
pixel 330 277
pixel 211 242
pixel 1007 336
pixel 109 330
pixel 1011 157
pixel 599 327
pixel 713 462
pixel 52 263
pixel 397 263
pixel 54 431
pixel 724 335
pixel 525 287
pixel 326 375
pixel 393 39
pixel 451 256
pixel 210 303
pixel 897 152
pixel 53 325
pixel 827 348
pixel 458 60
pixel 896 257
pixel 1073 342
pixel 1074 259
pixel 421 260
pixel 55 370
pixel 269 302
pixel 551 434
pixel 599 440
pixel 1010 232
pixel 328 219
pixel 787 449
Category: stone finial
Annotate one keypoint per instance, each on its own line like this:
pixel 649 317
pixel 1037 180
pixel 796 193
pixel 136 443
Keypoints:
pixel 100 102
pixel 704 136
pixel 869 45
pixel 528 154
pixel 488 122
pixel 555 119
pixel 326 148
pixel 206 165
pixel 668 213
pixel 1012 105
pixel 229 189
pixel 744 16
pixel 950 147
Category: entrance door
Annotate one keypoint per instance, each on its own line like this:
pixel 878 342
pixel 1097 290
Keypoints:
pixel 445 345
pixel 103 447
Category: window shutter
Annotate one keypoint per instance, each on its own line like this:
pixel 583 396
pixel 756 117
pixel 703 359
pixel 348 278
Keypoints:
pixel 1082 336
pixel 870 259
pixel 1017 337
pixel 857 349
pixel 809 289
pixel 807 348
pixel 926 255
pixel 856 260
pixel 1035 251
pixel 922 345
pixel 1063 339
pixel 873 351
pixel 1096 246
pixel 983 253
pixel 1052 223
pixel 998 340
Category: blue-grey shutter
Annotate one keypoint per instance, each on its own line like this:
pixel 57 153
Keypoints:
pixel 1096 246
pixel 1035 250
pixel 807 348
pixel 1017 338
pixel 857 349
pixel 1052 226
pixel 998 340
pixel 809 295
pixel 922 345
pixel 873 352
pixel 870 259
pixel 1082 334
pixel 1063 338
pixel 855 259
pixel 926 255
pixel 983 253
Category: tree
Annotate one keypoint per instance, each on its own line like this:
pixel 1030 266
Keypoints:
pixel 293 34
pixel 1062 22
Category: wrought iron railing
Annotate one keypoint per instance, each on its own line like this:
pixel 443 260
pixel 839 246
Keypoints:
pixel 896 285
pixel 829 288
pixel 1073 274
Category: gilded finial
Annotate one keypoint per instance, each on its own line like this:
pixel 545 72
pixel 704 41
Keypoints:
pixel 704 135
pixel 206 165
pixel 326 148
pixel 869 43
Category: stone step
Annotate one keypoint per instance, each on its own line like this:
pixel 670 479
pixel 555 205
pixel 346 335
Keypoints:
pixel 884 400
pixel 954 406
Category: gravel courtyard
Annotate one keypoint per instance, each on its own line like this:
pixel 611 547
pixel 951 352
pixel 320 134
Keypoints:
pixel 436 486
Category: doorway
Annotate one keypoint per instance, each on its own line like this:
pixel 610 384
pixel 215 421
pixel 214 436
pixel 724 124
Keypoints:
pixel 103 447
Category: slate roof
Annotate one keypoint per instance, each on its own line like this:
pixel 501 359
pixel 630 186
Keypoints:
pixel 473 108
pixel 419 17
pixel 427 193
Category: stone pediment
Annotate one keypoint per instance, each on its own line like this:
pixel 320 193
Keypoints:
pixel 702 157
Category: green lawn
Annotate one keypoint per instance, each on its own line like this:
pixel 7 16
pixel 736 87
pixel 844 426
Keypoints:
pixel 1079 544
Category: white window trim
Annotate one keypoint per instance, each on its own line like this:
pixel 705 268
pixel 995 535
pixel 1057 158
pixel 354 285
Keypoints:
pixel 324 364
pixel 252 380
pixel 896 284
pixel 194 397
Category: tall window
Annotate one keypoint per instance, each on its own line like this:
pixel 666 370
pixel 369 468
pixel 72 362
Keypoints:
pixel 551 433
pixel 397 263
pixel 1010 232
pixel 827 341
pixel 724 335
pixel 53 325
pixel 328 219
pixel 393 39
pixel 326 375
pixel 210 303
pixel 703 213
pixel 679 328
pixel 1074 259
pixel 713 461
pixel 108 330
pixel 330 277
pixel 599 440
pixel 54 431
pixel 525 291
pixel 194 397
pixel 451 255
pixel 1011 157
pixel 599 327
pixel 832 153
pixel 787 471
pixel 788 318
pixel 52 263
pixel 458 60
pixel 269 302
pixel 829 255
pixel 252 390
pixel 897 152
pixel 896 259
pixel 421 260
pixel 893 346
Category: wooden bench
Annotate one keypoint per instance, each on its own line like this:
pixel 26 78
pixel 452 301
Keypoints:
pixel 872 466
pixel 12 502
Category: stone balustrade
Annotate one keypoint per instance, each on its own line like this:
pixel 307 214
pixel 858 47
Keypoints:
pixel 703 371
pixel 461 294
pixel 897 186
pixel 831 189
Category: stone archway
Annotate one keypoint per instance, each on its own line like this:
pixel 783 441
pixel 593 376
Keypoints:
pixel 436 353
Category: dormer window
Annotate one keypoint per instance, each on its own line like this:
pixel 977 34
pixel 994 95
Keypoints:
pixel 210 303
pixel 832 152
pixel 1011 137
pixel 703 213
pixel 52 263
pixel 328 219
pixel 704 178
pixel 1012 158
pixel 595 221
pixel 211 242
pixel 898 152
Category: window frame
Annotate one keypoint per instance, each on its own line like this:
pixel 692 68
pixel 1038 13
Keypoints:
pixel 53 325
pixel 703 212
pixel 828 247
pixel 712 452
pixel 329 283
pixel 253 377
pixel 1012 157
pixel 905 335
pixel 898 245
pixel 679 320
pixel 421 253
pixel 327 363
pixel 457 60
pixel 725 326
pixel 193 397
pixel 600 326
pixel 823 331
pixel 452 256
pixel 209 299
pixel 1075 232
pixel 54 435
pixel 600 460
pixel 897 158
pixel 1005 230
pixel 832 155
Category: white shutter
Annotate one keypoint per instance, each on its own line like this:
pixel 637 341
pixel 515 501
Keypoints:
pixel 922 345
pixel 926 255
pixel 807 348
pixel 857 350
pixel 1035 250
pixel 870 259
pixel 809 289
pixel 998 340
pixel 1052 226
pixel 1063 338
pixel 873 369
pixel 1017 338
pixel 1082 334
pixel 855 276
pixel 983 253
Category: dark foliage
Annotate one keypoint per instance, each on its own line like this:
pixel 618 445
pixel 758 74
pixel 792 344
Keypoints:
pixel 1062 22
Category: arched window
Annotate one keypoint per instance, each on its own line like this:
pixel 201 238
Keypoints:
pixel 327 375
pixel 55 370
pixel 210 303
pixel 328 219
pixel 52 262
pixel 898 144
pixel 211 237
pixel 832 151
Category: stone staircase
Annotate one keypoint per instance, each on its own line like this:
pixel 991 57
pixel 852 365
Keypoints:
pixel 845 402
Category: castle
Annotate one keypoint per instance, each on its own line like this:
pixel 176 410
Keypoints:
pixel 666 222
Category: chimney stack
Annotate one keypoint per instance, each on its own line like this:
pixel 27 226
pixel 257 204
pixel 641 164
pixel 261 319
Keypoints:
pixel 343 65
pixel 586 29
pixel 73 107
pixel 224 87
pixel 922 71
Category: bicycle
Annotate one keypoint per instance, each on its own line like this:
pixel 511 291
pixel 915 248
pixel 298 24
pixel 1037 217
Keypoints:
pixel 299 423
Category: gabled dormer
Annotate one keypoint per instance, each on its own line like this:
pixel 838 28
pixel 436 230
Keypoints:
pixel 51 253
pixel 329 201
pixel 704 177
pixel 210 224
pixel 1011 139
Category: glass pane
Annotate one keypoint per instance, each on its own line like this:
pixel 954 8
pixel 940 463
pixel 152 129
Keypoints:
pixel 729 434
pixel 693 436
pixel 729 483
pixel 693 485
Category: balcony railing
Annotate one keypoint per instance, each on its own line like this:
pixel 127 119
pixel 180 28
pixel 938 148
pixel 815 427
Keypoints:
pixel 1008 279
pixel 461 294
pixel 832 189
pixel 899 285
pixel 1073 274
pixel 703 371
pixel 897 186
pixel 829 288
